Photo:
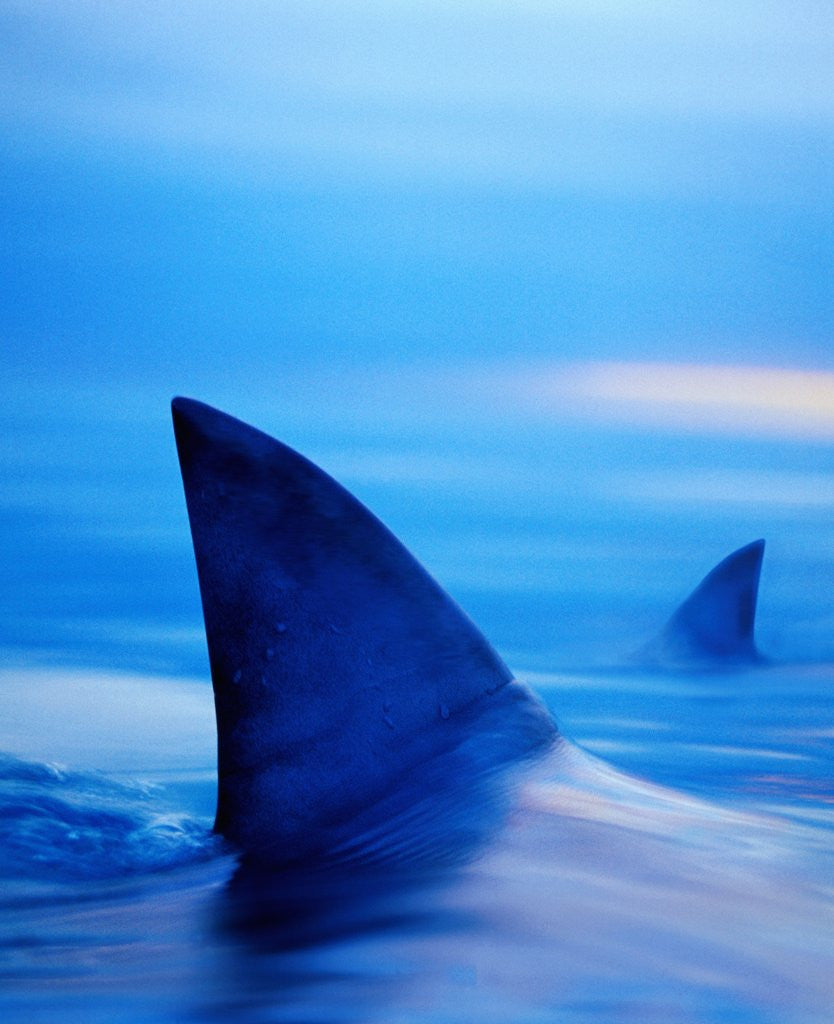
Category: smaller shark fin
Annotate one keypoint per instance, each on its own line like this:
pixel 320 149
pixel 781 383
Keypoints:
pixel 716 622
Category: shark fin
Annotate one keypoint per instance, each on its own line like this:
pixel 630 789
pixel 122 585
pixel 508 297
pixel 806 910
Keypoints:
pixel 716 622
pixel 340 668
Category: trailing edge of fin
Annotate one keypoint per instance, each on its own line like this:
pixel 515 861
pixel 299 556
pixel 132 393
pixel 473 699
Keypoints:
pixel 716 622
pixel 340 668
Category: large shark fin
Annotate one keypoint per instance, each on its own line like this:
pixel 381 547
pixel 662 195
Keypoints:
pixel 341 670
pixel 716 622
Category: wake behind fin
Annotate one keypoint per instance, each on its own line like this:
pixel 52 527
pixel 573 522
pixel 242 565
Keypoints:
pixel 341 670
pixel 716 623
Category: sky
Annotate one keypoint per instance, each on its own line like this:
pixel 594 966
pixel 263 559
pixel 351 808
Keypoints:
pixel 566 262
pixel 206 192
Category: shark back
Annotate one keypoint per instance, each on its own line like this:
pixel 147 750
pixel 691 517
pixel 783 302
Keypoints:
pixel 341 670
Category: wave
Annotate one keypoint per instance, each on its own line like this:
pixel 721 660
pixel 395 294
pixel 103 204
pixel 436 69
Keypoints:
pixel 60 826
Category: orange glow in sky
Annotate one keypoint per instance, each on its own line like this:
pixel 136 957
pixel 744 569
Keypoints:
pixel 752 399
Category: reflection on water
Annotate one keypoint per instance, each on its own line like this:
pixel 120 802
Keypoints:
pixel 729 735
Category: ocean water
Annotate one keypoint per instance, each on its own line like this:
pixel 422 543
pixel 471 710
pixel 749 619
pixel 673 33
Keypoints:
pixel 686 877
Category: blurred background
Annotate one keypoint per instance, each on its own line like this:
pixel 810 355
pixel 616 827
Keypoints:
pixel 548 285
